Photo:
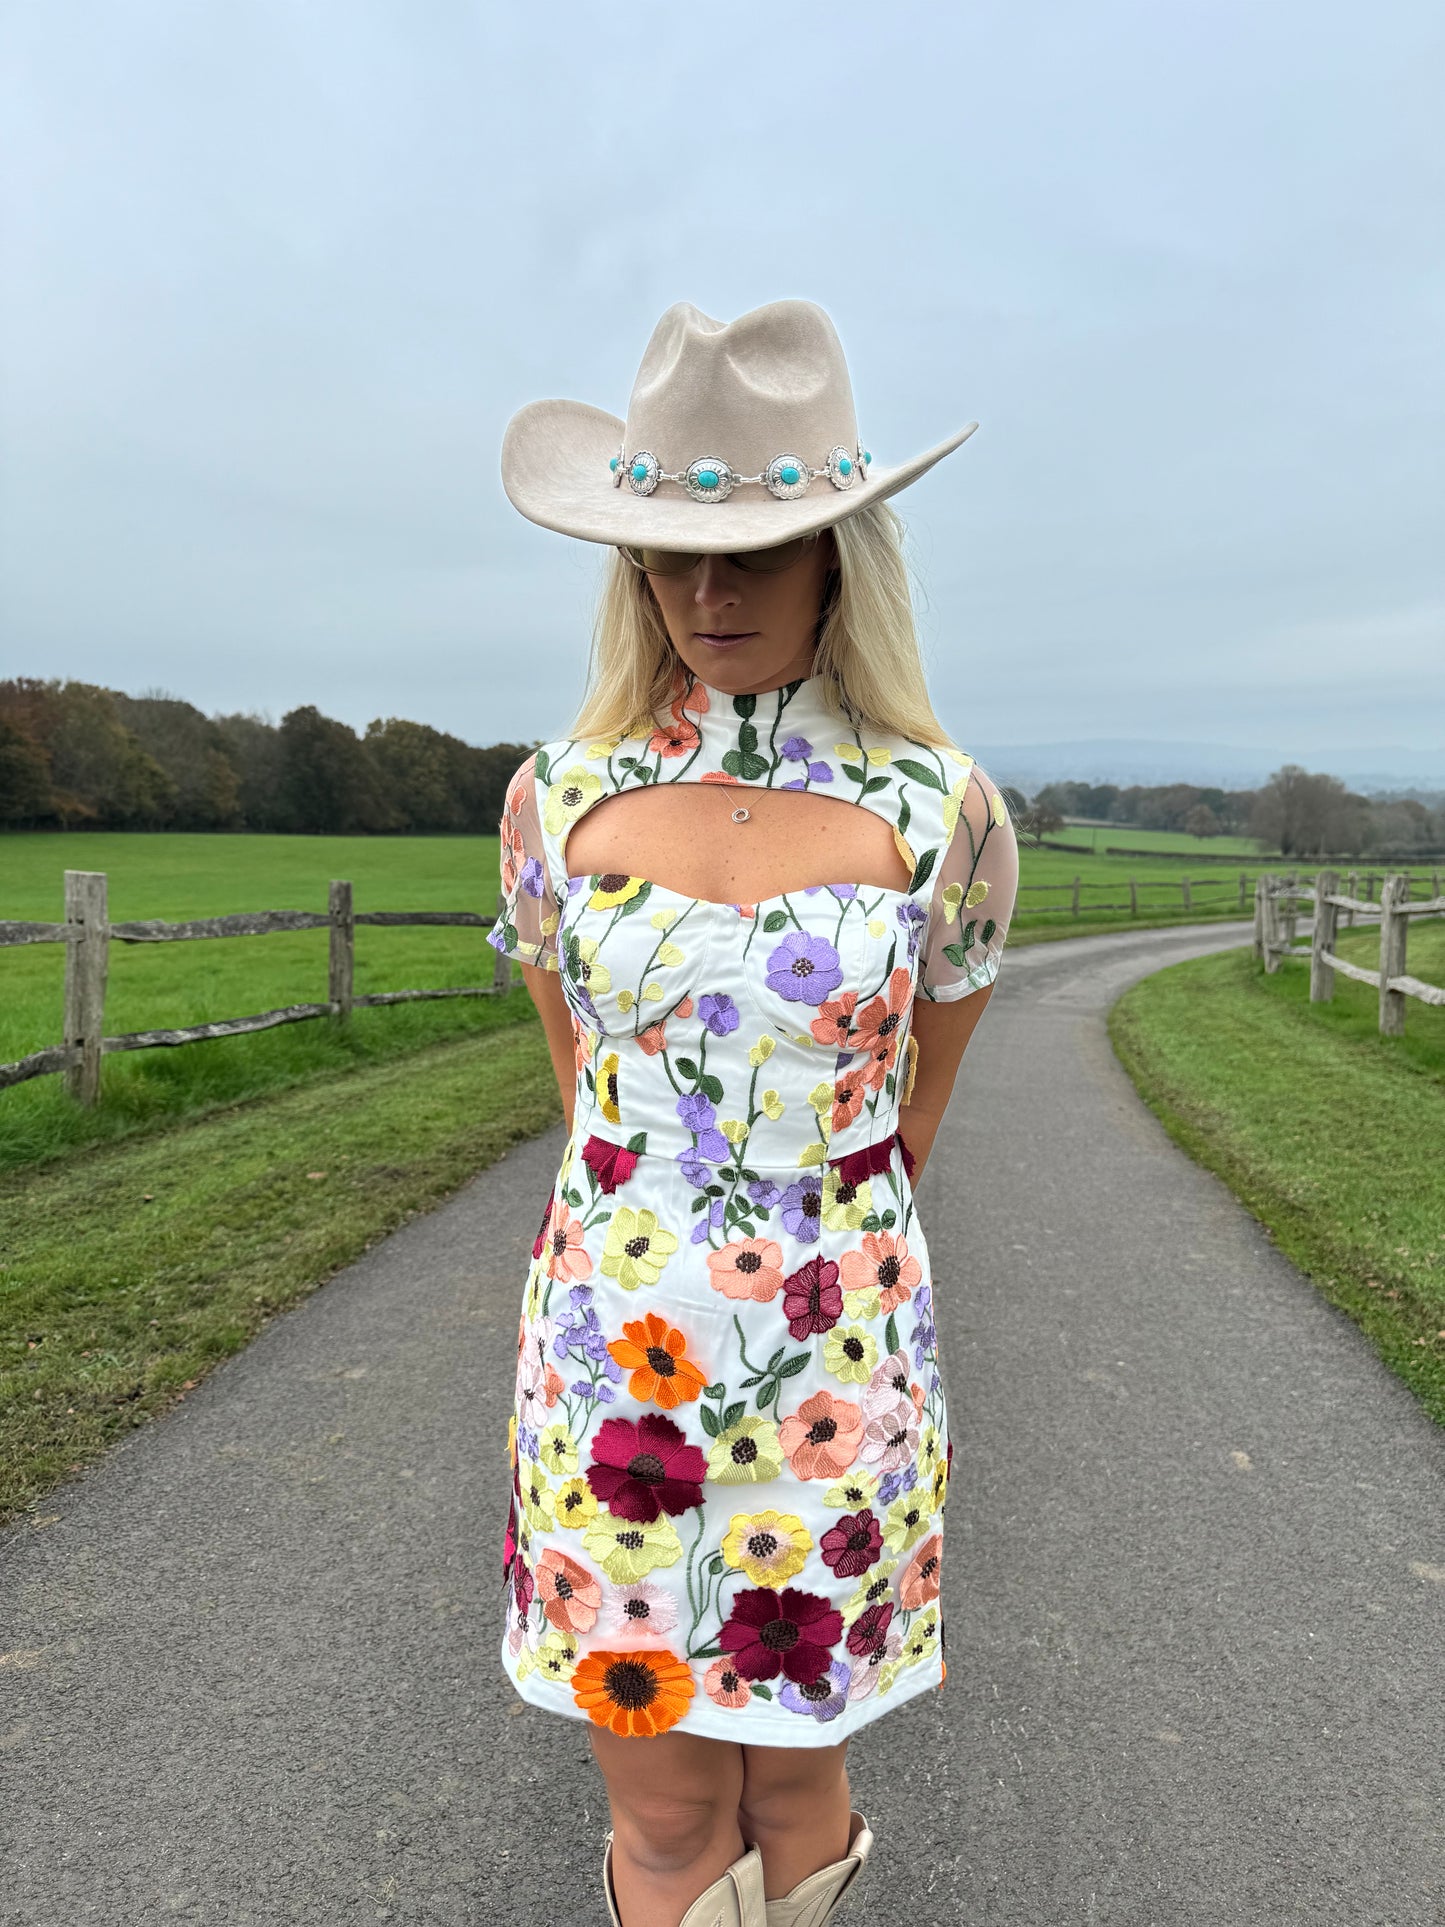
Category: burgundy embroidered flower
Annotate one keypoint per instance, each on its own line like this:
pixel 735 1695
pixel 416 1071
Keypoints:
pixel 813 1298
pixel 643 1467
pixel 509 1542
pixel 789 1632
pixel 853 1545
pixel 874 1158
pixel 523 1586
pixel 869 1631
pixel 908 1157
pixel 541 1241
pixel 610 1164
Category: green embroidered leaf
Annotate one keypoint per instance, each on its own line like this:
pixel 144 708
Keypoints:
pixel 924 871
pixel 774 920
pixel 711 1086
pixel 747 737
pixel 968 929
pixel 627 762
pixel 543 767
pixel 988 930
pixel 573 1197
pixel 920 772
pixel 734 1413
pixel 715 1391
pixel 745 705
pixel 774 1360
pixel 793 1366
pixel 855 772
pixel 871 1222
pixel 890 1218
pixel 876 783
pixel 717 1565
pixel 637 1142
pixel 760 1691
pixel 700 1202
pixel 687 1067
pixel 756 1379
pixel 903 815
pixel 709 1420
pixel 956 955
pixel 890 1335
pixel 745 763
pixel 713 1191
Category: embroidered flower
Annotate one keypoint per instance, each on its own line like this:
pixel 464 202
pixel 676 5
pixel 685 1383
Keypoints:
pixel 747 1268
pixel 813 1298
pixel 726 1685
pixel 611 1164
pixel 635 1695
pixel 853 1545
pixel 768 1546
pixel 569 1594
pixel 789 1632
pixel 884 1261
pixel 822 1437
pixel 574 791
pixel 824 1697
pixel 919 1582
pixel 804 968
pixel 748 1453
pixel 801 1208
pixel 639 1470
pixel 652 1350
pixel 636 1248
pixel 637 1609
pixel 850 1354
pixel 627 1551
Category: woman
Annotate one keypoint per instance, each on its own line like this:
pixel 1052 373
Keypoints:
pixel 764 899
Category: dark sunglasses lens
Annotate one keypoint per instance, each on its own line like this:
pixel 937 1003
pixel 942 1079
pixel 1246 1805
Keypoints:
pixel 661 561
pixel 782 556
pixel 754 561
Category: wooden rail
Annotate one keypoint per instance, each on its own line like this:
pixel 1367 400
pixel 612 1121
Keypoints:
pixel 88 934
pixel 1191 892
pixel 1275 915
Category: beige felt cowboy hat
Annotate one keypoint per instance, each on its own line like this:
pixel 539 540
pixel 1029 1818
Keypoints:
pixel 739 434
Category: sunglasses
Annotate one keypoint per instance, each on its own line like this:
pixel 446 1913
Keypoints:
pixel 753 561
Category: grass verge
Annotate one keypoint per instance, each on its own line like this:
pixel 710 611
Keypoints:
pixel 1329 1133
pixel 127 1272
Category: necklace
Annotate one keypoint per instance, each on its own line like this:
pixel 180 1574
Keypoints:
pixel 741 815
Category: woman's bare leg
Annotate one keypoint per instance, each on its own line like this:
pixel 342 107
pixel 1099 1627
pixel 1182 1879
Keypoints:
pixel 795 1808
pixel 674 1801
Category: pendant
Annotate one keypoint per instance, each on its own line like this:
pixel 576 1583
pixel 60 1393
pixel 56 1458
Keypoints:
pixel 740 815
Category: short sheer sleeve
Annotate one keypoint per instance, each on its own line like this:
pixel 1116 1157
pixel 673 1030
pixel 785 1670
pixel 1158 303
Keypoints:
pixel 526 928
pixel 973 897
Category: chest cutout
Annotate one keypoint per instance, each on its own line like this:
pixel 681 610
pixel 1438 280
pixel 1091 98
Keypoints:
pixel 682 837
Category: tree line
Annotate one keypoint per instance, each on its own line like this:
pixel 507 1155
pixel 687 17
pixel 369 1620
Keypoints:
pixel 75 755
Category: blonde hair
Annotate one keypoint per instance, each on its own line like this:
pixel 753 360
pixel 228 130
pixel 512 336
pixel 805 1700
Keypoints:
pixel 866 653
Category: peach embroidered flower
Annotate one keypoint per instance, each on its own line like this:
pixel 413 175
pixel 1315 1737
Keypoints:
pixel 919 1583
pixel 822 1437
pixel 569 1594
pixel 884 1264
pixel 747 1268
pixel 567 1257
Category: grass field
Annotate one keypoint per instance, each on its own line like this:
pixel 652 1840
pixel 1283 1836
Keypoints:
pixel 1331 1134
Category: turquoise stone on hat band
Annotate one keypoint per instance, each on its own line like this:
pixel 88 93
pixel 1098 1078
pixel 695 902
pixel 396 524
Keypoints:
pixel 710 479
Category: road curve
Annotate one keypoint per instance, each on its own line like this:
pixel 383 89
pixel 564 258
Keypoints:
pixel 1195 1599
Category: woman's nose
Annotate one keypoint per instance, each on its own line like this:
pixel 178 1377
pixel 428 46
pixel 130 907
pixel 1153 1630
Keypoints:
pixel 717 583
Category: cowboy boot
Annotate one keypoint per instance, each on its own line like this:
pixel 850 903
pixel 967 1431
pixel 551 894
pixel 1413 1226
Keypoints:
pixel 733 1900
pixel 812 1901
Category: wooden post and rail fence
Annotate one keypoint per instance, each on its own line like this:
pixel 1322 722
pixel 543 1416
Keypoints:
pixel 1194 894
pixel 1276 901
pixel 87 934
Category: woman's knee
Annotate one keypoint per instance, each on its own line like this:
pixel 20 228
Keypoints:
pixel 670 1804
pixel 778 1781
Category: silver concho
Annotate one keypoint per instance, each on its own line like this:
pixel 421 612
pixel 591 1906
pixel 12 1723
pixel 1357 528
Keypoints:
pixel 708 480
pixel 773 476
pixel 645 483
pixel 842 469
pixel 617 462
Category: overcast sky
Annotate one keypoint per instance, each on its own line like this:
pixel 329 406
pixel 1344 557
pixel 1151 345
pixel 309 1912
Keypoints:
pixel 276 275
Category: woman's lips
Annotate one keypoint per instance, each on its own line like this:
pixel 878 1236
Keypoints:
pixel 724 641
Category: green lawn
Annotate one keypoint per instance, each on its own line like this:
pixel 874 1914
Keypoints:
pixel 1333 1136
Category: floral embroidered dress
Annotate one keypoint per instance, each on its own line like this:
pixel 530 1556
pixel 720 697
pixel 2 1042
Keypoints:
pixel 730 1448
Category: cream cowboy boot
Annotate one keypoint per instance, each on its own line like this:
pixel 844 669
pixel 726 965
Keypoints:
pixel 734 1900
pixel 812 1901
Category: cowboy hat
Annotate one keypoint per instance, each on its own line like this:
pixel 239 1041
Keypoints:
pixel 739 434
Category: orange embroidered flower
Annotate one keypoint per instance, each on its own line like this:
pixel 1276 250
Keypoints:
pixel 849 1094
pixel 747 1268
pixel 833 1024
pixel 567 1255
pixel 652 1350
pixel 879 1026
pixel 725 1684
pixel 822 1437
pixel 653 1039
pixel 675 737
pixel 569 1594
pixel 883 1262
pixel 684 1009
pixel 635 1695
pixel 919 1583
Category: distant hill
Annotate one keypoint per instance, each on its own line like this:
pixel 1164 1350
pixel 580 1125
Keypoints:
pixel 1124 760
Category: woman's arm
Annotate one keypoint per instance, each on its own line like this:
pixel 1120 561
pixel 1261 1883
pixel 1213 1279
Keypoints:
pixel 544 987
pixel 943 1031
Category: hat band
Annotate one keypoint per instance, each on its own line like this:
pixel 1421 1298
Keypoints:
pixel 709 479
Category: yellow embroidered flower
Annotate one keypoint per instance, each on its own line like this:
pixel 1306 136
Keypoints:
pixel 999 808
pixel 888 1676
pixel 512 1441
pixel 557 1450
pixel 636 1247
pixel 821 1099
pixel 669 955
pixel 872 1591
pixel 595 975
pixel 952 899
pixel 920 1642
pixel 625 1000
pixel 538 1501
pixel 850 1353
pixel 938 1485
pixel 526 1660
pixel 977 891
pixel 575 1503
pixel 773 1105
pixel 762 1050
pixel 574 791
pixel 604 746
pixel 770 1547
pixel 733 1129
pixel 557 1654
pixel 865 1304
pixel 878 753
pixel 877 927
pixel 613 889
pixel 844 1213
pixel 748 1453
pixel 930 1451
pixel 953 802
pixel 607 1090
pixel 850 752
pixel 652 993
pixel 627 1551
pixel 663 919
pixel 812 1154
pixel 853 1493
pixel 907 1521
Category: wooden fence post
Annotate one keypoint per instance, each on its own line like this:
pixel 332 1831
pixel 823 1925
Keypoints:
pixel 1133 898
pixel 1241 892
pixel 1394 930
pixel 1076 896
pixel 343 951
pixel 1290 912
pixel 1273 927
pixel 1352 889
pixel 1322 975
pixel 87 964
pixel 1188 900
pixel 502 964
pixel 1258 945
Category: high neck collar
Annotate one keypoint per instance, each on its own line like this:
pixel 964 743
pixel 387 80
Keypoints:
pixel 802 701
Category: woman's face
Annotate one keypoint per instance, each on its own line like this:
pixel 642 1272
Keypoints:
pixel 743 631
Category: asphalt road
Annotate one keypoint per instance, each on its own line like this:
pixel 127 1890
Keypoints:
pixel 1195 1576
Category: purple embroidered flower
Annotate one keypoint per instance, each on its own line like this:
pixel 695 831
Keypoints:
pixel 693 1169
pixel 797 749
pixel 698 1114
pixel 805 968
pixel 825 1698
pixel 719 1013
pixel 526 1442
pixel 532 878
pixel 802 1207
pixel 764 1193
pixel 925 1333
pixel 579 1335
pixel 913 917
pixel 889 1488
pixel 709 1220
